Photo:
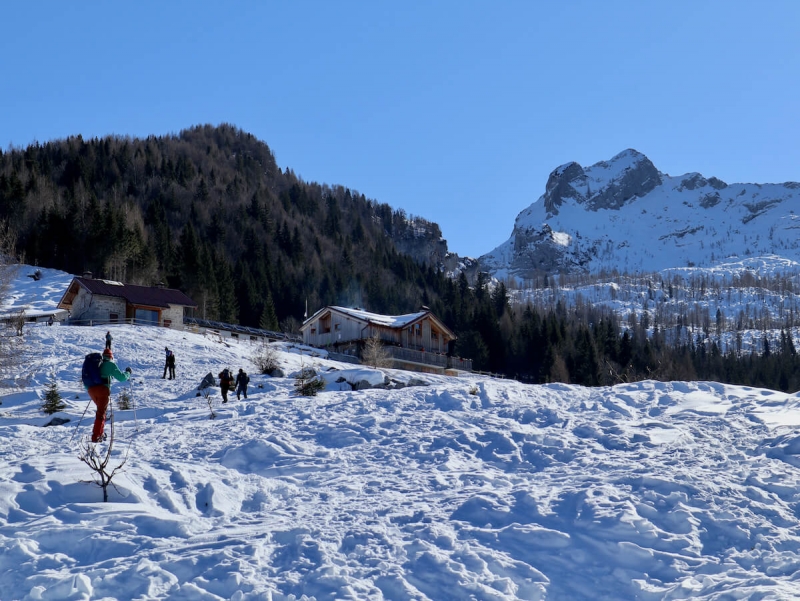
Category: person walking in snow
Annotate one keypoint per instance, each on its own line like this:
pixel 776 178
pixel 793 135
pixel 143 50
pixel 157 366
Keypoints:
pixel 171 365
pixel 108 340
pixel 167 354
pixel 101 393
pixel 242 379
pixel 225 383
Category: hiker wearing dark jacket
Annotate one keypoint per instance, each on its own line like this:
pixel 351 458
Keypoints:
pixel 167 354
pixel 242 379
pixel 171 365
pixel 225 383
pixel 101 393
pixel 108 340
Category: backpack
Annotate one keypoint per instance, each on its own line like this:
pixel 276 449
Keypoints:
pixel 90 372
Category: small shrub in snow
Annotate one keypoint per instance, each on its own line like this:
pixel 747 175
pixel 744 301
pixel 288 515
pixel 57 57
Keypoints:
pixel 125 401
pixel 206 392
pixel 307 382
pixel 266 359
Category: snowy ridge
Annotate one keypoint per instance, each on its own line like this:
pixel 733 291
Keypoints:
pixel 459 488
pixel 627 216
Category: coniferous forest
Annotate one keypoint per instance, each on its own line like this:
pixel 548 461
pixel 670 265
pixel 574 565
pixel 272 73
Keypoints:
pixel 208 211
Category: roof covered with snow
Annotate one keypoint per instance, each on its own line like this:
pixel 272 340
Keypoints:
pixel 386 321
pixel 389 321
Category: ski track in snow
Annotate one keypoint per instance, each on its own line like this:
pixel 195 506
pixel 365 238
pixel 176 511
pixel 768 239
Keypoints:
pixel 466 488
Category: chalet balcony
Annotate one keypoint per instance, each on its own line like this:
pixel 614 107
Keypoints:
pixel 422 359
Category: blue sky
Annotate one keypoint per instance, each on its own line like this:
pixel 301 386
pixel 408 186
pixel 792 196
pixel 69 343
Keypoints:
pixel 454 111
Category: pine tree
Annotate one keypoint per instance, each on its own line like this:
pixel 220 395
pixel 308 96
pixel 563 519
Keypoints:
pixel 268 321
pixel 125 401
pixel 53 403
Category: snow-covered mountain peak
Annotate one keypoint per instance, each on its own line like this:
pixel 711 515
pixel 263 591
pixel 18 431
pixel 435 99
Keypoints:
pixel 624 214
pixel 604 185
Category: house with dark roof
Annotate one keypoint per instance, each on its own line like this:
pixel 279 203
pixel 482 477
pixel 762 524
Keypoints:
pixel 417 341
pixel 106 301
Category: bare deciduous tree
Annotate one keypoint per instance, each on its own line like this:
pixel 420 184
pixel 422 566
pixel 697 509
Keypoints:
pixel 375 354
pixel 207 396
pixel 99 461
pixel 11 326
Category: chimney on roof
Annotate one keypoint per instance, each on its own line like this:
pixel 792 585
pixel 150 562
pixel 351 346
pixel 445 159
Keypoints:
pixel 424 308
pixel 87 275
pixel 160 285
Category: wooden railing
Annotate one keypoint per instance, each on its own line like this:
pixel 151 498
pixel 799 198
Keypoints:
pixel 413 356
pixel 428 358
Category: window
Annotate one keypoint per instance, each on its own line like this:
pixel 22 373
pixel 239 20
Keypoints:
pixel 145 316
pixel 167 323
pixel 313 331
pixel 113 317
pixel 336 326
pixel 325 324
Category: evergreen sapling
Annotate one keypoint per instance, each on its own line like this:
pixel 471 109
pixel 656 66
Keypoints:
pixel 53 403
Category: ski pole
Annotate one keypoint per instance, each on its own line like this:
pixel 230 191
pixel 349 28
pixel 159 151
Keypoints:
pixel 79 421
pixel 133 402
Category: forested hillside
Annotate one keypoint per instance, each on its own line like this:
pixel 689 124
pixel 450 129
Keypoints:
pixel 208 211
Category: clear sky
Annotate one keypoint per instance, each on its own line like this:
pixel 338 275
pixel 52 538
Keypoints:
pixel 455 111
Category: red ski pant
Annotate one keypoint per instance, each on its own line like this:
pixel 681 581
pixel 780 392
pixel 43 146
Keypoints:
pixel 100 395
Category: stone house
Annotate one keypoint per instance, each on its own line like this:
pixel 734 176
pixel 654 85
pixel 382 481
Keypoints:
pixel 90 300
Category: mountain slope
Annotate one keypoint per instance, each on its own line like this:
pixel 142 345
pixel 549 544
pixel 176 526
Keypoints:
pixel 462 488
pixel 626 215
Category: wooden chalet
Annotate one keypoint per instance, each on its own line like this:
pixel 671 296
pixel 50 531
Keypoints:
pixel 90 300
pixel 417 341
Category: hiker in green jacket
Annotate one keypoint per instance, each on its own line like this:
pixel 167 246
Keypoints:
pixel 101 393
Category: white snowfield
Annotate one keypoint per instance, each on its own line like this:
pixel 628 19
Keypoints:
pixel 464 488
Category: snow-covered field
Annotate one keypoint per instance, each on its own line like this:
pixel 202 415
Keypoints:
pixel 462 488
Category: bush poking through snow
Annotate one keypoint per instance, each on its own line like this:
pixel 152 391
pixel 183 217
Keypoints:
pixel 266 359
pixel 307 382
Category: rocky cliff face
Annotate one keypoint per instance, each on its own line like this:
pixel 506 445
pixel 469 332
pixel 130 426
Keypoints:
pixel 625 215
pixel 636 177
pixel 422 240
